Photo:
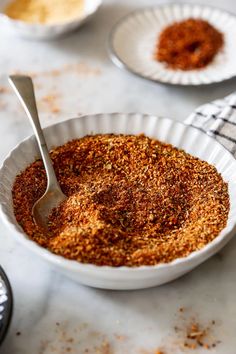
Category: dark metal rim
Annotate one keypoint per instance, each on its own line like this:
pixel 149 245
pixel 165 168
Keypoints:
pixel 8 307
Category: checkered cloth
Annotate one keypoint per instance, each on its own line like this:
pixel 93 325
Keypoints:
pixel 218 119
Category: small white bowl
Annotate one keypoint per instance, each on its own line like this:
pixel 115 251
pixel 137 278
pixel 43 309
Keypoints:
pixel 133 40
pixel 47 31
pixel 190 139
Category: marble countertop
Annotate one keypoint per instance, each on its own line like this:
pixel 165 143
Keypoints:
pixel 52 314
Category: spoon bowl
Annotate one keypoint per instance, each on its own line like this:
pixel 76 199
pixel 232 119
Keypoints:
pixel 43 207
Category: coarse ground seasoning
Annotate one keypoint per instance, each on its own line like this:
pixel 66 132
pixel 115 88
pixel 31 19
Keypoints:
pixel 189 44
pixel 193 333
pixel 131 201
pixel 44 11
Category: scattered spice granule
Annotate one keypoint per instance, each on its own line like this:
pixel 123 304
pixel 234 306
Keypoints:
pixel 189 44
pixel 81 68
pixel 131 201
pixel 120 337
pixel 3 90
pixel 149 351
pixel 192 334
pixel 55 72
pixel 55 109
pixel 3 105
pixel 18 333
pixel 104 348
pixel 34 75
pixel 198 336
pixel 51 101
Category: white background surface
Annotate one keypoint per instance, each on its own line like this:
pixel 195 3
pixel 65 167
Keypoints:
pixel 44 297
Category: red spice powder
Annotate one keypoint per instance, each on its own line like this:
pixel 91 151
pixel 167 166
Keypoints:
pixel 189 44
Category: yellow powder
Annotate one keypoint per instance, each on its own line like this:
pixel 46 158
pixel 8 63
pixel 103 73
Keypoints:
pixel 45 11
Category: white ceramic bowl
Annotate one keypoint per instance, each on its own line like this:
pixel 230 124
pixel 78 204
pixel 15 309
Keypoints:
pixel 190 139
pixel 47 31
pixel 133 41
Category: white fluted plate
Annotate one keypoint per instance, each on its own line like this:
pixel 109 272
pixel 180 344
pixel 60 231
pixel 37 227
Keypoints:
pixel 41 31
pixel 133 40
pixel 180 135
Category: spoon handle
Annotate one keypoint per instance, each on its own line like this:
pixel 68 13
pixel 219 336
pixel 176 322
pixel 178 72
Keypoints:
pixel 24 89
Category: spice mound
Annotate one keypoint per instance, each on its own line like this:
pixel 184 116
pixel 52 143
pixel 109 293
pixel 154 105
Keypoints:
pixel 189 44
pixel 44 11
pixel 131 201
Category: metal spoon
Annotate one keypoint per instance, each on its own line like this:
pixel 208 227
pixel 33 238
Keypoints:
pixel 23 87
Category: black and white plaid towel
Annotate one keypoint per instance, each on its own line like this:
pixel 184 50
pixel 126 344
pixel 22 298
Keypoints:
pixel 218 119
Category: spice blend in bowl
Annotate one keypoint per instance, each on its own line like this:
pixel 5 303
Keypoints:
pixel 189 44
pixel 44 11
pixel 186 138
pixel 42 19
pixel 132 201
